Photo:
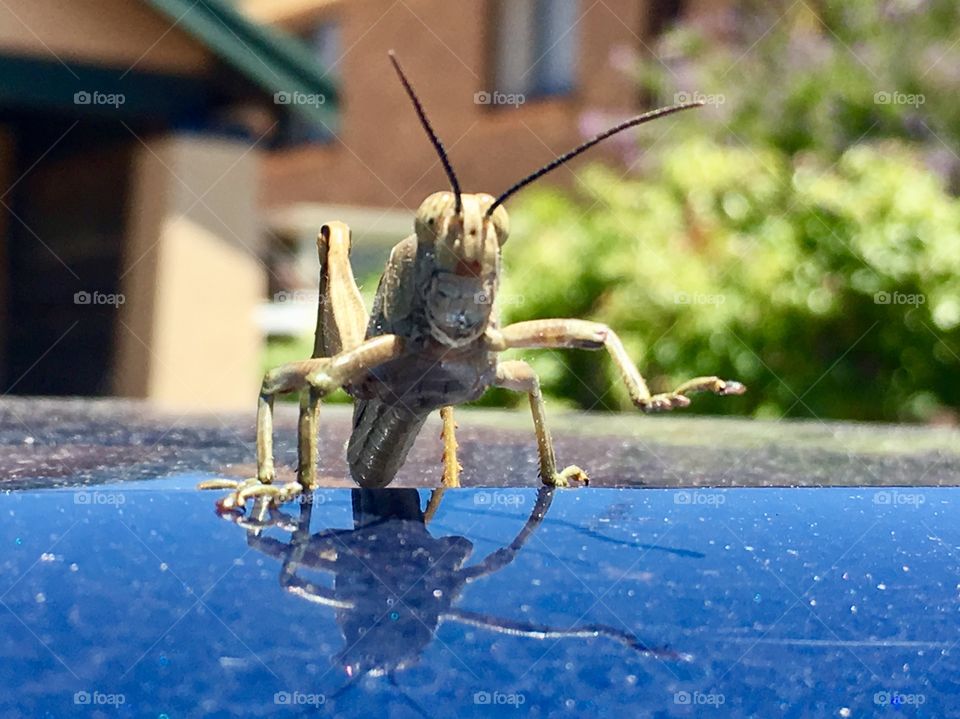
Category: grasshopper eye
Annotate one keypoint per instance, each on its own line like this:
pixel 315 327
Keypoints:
pixel 498 218
pixel 431 214
pixel 501 223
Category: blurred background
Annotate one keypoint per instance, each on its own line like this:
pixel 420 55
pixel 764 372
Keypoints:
pixel 165 166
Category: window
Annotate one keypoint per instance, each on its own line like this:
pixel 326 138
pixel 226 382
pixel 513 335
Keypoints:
pixel 535 47
pixel 325 43
pixel 662 15
pixel 323 40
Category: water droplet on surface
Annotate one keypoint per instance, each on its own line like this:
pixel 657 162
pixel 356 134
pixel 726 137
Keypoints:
pixel 853 609
pixel 438 593
pixel 756 598
pixel 163 566
pixel 881 586
pixel 845 712
pixel 74 567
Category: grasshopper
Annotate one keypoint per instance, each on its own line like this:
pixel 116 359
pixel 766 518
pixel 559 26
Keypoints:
pixel 431 342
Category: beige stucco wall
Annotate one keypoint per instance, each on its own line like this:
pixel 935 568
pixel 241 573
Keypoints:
pixel 122 33
pixel 192 280
pixel 272 11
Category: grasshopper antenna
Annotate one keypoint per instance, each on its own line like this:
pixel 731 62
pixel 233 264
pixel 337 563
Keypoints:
pixel 438 146
pixel 554 164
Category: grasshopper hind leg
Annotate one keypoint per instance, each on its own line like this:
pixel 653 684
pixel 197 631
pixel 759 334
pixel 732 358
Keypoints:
pixel 341 327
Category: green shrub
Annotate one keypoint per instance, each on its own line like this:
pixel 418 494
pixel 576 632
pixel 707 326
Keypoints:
pixel 752 264
pixel 821 77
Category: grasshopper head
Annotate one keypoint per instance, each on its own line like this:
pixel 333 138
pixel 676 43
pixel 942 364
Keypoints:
pixel 461 248
pixel 459 236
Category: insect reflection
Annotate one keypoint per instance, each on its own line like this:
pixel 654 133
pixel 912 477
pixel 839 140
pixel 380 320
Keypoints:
pixel 394 583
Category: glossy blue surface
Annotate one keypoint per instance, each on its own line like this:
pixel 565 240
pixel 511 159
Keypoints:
pixel 135 600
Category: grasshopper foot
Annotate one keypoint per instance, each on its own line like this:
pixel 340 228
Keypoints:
pixel 731 386
pixel 564 477
pixel 664 402
pixel 272 494
pixel 679 398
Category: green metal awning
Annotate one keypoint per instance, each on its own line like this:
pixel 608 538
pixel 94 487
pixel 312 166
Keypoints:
pixel 273 60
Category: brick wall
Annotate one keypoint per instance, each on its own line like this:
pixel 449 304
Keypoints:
pixel 382 158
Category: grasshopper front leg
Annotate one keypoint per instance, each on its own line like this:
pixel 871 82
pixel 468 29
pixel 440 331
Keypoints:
pixel 519 376
pixel 581 334
pixel 561 333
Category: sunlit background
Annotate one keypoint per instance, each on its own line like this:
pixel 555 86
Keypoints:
pixel 165 166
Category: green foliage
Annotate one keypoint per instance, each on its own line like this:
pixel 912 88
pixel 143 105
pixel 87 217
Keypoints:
pixel 756 265
pixel 822 76
pixel 767 227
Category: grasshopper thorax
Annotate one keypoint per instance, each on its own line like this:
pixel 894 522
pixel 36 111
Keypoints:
pixel 459 249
